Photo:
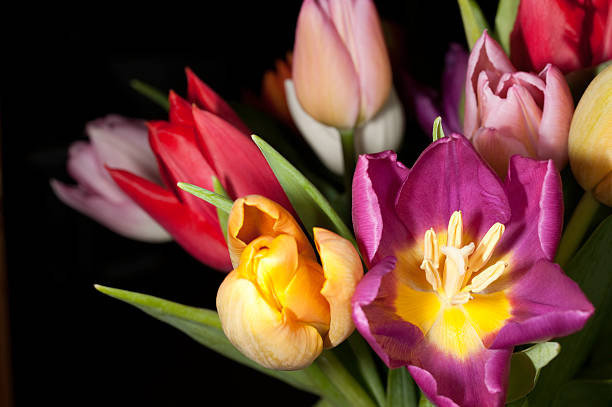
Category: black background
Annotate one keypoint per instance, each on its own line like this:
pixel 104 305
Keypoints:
pixel 62 67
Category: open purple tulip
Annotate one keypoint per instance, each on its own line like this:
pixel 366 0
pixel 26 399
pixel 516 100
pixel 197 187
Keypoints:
pixel 460 266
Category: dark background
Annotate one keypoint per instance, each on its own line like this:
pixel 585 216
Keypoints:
pixel 63 67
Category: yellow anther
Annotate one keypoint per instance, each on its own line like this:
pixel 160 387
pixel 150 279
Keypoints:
pixel 485 248
pixel 430 248
pixel 486 277
pixel 431 274
pixel 454 267
pixel 455 230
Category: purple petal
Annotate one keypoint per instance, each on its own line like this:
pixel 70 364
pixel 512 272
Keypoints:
pixel 534 192
pixel 449 176
pixel 424 102
pixel 479 380
pixel 545 304
pixel 377 180
pixel 390 337
pixel 453 85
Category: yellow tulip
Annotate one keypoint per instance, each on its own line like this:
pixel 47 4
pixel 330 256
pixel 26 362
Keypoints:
pixel 279 306
pixel 590 138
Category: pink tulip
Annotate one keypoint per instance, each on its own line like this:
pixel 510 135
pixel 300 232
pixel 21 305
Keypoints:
pixel 341 68
pixel 118 142
pixel 509 112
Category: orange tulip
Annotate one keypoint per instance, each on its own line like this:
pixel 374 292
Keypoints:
pixel 279 306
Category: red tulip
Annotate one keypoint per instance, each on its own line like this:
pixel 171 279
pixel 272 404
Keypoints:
pixel 570 34
pixel 204 138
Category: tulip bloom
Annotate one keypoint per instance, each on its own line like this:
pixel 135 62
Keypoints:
pixel 341 68
pixel 200 141
pixel 460 267
pixel 569 34
pixel 279 306
pixel 509 112
pixel 120 142
pixel 590 140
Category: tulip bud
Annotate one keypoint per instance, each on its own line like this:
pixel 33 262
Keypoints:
pixel 510 112
pixel 117 142
pixel 590 138
pixel 279 306
pixel 341 68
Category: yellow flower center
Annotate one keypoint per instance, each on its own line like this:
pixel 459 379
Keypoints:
pixel 459 274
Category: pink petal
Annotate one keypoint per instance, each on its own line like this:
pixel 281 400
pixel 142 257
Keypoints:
pixel 496 149
pixel 124 217
pixel 487 55
pixel 325 79
pixel 358 25
pixel 556 118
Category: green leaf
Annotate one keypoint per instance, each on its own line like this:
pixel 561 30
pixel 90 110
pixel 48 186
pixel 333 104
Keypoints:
pixel 221 213
pixel 323 403
pixel 204 326
pixel 311 206
pixel 221 202
pixel 504 21
pixel 525 368
pixel 590 268
pixel 366 366
pixel 474 22
pixel 438 131
pixel 424 401
pixel 401 391
pixel 153 94
pixel 591 393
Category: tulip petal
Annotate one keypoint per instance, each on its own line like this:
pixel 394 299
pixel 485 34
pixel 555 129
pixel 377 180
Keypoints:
pixel 545 304
pixel 206 98
pixel 253 216
pixel 343 270
pixel 450 176
pixel 124 217
pixel 376 320
pixel 497 149
pixel 261 332
pixel 181 161
pixel 384 131
pixel 199 235
pixel 326 83
pixel 376 183
pixel 358 25
pixel 180 110
pixel 477 381
pixel 123 143
pixel 533 232
pixel 487 55
pixel 324 140
pixel 556 117
pixel 238 163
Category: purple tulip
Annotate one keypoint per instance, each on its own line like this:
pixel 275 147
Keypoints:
pixel 121 143
pixel 460 266
pixel 510 112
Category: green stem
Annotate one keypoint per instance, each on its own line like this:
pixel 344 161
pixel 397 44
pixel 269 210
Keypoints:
pixel 152 93
pixel 325 387
pixel 348 154
pixel 424 402
pixel 577 227
pixel 343 380
pixel 367 368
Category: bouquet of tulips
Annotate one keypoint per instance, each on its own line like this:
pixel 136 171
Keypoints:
pixel 447 281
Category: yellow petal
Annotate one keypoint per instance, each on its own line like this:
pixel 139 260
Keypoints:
pixel 343 270
pixel 254 216
pixel 590 138
pixel 261 332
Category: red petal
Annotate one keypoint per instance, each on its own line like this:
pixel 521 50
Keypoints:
pixel 206 98
pixel 199 235
pixel 180 110
pixel 239 164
